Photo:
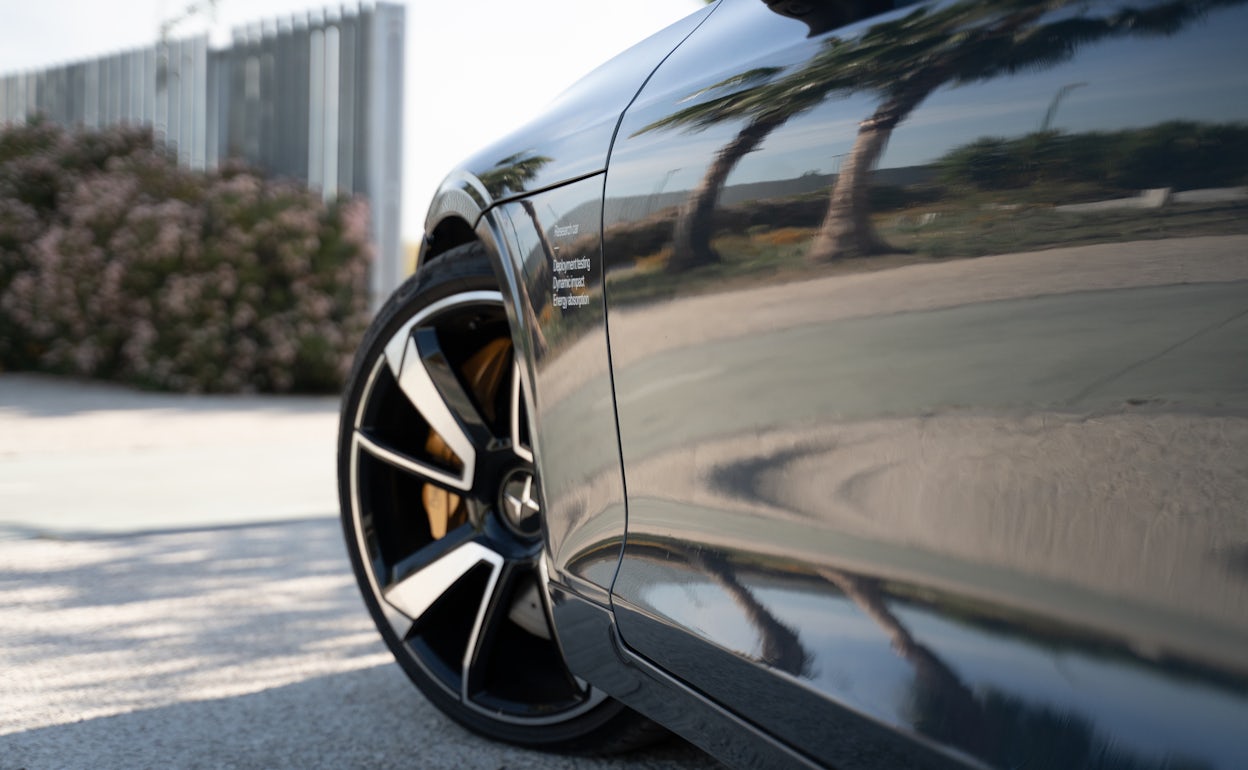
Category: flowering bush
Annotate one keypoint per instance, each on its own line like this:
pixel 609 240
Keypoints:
pixel 117 264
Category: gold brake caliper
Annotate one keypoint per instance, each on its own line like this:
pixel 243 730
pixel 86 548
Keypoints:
pixel 485 372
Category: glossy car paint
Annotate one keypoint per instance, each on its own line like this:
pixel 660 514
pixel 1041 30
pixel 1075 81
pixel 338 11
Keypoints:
pixel 964 484
pixel 556 235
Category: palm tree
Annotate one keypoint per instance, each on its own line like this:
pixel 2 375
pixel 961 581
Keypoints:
pixel 902 61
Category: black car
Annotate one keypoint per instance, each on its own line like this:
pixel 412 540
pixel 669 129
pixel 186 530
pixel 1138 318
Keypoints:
pixel 860 384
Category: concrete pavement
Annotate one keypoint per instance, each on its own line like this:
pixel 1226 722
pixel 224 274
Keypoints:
pixel 174 593
pixel 79 458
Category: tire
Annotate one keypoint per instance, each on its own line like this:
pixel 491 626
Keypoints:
pixel 442 520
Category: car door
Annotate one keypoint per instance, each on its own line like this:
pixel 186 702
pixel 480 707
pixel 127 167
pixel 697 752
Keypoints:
pixel 928 332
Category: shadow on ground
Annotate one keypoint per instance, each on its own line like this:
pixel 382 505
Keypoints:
pixel 368 718
pixel 242 647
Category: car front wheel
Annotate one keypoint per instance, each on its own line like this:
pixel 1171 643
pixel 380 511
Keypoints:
pixel 443 517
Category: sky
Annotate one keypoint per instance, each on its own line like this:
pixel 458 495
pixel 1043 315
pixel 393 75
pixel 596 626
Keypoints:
pixel 522 54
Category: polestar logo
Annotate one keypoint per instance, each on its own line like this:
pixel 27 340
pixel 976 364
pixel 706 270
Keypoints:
pixel 519 502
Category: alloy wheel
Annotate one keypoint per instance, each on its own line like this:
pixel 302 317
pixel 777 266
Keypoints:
pixel 445 512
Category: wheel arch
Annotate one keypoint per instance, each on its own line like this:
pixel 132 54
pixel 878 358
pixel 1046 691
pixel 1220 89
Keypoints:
pixel 462 211
pixel 453 216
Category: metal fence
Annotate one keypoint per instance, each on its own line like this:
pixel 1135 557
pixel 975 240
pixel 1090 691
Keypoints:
pixel 318 98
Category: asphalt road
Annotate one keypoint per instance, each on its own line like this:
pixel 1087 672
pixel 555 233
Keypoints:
pixel 174 593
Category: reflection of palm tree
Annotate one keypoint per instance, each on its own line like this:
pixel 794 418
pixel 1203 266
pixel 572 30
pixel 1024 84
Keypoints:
pixel 1051 112
pixel 510 176
pixel 995 726
pixel 903 61
pixel 692 237
pixel 781 647
pixel 945 701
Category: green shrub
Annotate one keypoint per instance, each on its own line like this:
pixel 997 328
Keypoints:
pixel 117 264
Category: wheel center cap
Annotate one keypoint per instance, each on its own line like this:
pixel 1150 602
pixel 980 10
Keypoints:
pixel 517 500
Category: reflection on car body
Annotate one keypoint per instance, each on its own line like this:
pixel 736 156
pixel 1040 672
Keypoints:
pixel 898 414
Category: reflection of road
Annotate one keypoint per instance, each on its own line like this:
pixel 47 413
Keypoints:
pixel 1080 351
pixel 1087 446
pixel 1039 513
pixel 645 330
pixel 977 683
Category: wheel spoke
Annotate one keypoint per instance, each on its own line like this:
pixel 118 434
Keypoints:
pixel 416 383
pixel 451 390
pixel 412 465
pixel 511 659
pixel 528 611
pixel 492 613
pixel 417 591
pixel 403 357
pixel 518 415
